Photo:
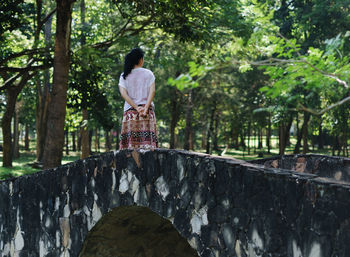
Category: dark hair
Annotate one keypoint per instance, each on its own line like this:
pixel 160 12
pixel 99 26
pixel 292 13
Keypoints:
pixel 132 59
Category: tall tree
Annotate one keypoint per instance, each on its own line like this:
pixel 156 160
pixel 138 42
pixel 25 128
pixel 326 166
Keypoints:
pixel 13 84
pixel 85 149
pixel 43 99
pixel 58 98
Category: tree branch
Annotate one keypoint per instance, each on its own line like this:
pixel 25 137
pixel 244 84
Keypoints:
pixel 22 71
pixel 11 80
pixel 330 75
pixel 276 62
pixel 48 16
pixel 25 52
pixel 328 108
pixel 111 41
pixel 144 24
pixel 123 30
pixel 27 68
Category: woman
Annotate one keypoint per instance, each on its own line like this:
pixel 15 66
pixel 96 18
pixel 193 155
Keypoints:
pixel 137 87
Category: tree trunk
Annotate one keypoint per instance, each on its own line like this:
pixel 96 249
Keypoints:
pixel 67 141
pixel 299 138
pixel 57 106
pixel 74 145
pixel 97 148
pixel 108 141
pixel 79 140
pixel 203 139
pixel 84 134
pixel 188 144
pixel 305 132
pixel 26 138
pixel 235 136
pixel 249 127
pixel 242 138
pixel 210 128
pixel 43 100
pixel 41 116
pixel 255 139
pixel 320 136
pixel 174 118
pixel 12 94
pixel 335 144
pixel 284 129
pixel 98 140
pixel 282 138
pixel 344 135
pixel 16 133
pixel 260 133
pixel 90 140
pixel 216 132
pixel 85 141
pixel 117 141
pixel 268 135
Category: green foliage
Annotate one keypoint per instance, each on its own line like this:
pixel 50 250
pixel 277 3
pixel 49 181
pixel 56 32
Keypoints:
pixel 311 22
pixel 190 80
pixel 314 71
pixel 27 106
pixel 12 16
pixel 187 20
pixel 86 86
pixel 238 64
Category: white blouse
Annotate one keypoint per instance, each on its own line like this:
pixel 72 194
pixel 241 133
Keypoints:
pixel 137 84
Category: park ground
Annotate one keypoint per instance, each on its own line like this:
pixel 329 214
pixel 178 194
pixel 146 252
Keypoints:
pixel 24 164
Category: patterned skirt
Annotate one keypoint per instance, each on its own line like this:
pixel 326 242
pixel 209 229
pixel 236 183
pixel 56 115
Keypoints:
pixel 137 131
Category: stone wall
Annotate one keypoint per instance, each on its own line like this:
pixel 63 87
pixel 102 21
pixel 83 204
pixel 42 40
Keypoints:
pixel 332 167
pixel 223 207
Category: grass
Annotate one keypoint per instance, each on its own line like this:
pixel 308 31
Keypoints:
pixel 22 165
pixel 254 153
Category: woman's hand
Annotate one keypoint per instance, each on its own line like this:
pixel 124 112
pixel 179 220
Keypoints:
pixel 139 109
pixel 144 112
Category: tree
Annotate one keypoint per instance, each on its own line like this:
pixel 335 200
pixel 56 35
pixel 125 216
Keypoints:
pixel 58 98
pixel 13 84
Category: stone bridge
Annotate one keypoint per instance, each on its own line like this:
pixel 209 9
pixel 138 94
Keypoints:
pixel 177 203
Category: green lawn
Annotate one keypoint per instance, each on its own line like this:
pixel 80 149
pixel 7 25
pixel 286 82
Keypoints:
pixel 254 153
pixel 22 165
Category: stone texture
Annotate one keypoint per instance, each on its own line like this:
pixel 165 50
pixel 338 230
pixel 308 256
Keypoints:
pixel 286 206
pixel 330 168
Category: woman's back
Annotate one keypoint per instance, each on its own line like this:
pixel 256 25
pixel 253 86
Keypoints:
pixel 137 84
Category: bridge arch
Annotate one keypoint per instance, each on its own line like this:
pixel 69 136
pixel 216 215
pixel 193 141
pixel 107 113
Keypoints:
pixel 131 231
pixel 222 207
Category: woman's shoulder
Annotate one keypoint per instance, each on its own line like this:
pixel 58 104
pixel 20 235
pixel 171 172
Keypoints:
pixel 147 71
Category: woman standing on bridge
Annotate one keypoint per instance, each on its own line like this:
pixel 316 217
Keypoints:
pixel 137 87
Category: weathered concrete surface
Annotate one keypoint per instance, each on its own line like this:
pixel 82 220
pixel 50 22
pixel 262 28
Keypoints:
pixel 221 207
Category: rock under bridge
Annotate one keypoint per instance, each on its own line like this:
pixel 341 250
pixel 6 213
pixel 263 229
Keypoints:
pixel 177 203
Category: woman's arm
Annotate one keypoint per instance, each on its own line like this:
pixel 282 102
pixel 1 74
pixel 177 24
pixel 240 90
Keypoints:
pixel 127 98
pixel 152 92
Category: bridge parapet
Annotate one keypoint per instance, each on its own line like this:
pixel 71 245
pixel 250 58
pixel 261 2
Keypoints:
pixel 327 167
pixel 223 207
